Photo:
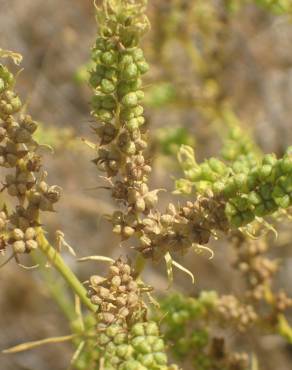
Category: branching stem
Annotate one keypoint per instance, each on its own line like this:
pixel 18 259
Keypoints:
pixel 57 261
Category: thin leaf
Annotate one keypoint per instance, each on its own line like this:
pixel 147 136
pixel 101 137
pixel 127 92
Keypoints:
pixel 89 143
pixel 96 258
pixel 61 242
pixel 30 345
pixel 199 248
pixel 184 269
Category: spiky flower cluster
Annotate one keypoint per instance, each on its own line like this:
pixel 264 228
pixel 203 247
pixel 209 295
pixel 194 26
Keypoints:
pixel 257 269
pixel 118 296
pixel 259 272
pixel 116 79
pixel 230 310
pixel 18 152
pixel 250 188
pixel 126 338
pixel 188 328
pixel 182 227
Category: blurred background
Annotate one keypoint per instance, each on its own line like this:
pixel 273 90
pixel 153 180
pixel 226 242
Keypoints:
pixel 204 54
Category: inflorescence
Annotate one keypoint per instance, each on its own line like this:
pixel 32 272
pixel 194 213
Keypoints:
pixel 126 338
pixel 25 181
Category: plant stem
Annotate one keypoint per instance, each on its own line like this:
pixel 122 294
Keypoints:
pixel 56 288
pixel 57 261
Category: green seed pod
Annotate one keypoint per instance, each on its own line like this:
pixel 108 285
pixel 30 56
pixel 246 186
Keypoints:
pixel 137 54
pixel 160 358
pixel 104 115
pixel 132 124
pixel 237 220
pixel 107 86
pixel 111 74
pixel 113 330
pixel 278 192
pixel 108 102
pixel 207 173
pixel 113 360
pixel 230 210
pixel 151 328
pixel 240 167
pixel 138 110
pixel 218 187
pixel 108 58
pixel 130 100
pixel 283 202
pixel 158 345
pixel 95 54
pixel 140 95
pixel 217 166
pixel 96 102
pixel 266 191
pixel 269 159
pixel 120 338
pixel 111 348
pixel 147 360
pixel 125 60
pixel 247 216
pixel 141 120
pixel 138 329
pixel 94 80
pixel 286 165
pixel 129 148
pixel 254 198
pixel 260 210
pixel 132 365
pixel 143 66
pixel 127 114
pixel 271 206
pixel 241 181
pixel 230 188
pixel 265 172
pixel 141 345
pixel 252 179
pixel 130 72
pixel 286 183
pixel 100 43
pixel 6 77
pixel 124 351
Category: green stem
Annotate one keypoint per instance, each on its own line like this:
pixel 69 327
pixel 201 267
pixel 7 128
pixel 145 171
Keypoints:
pixel 57 261
pixel 56 288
